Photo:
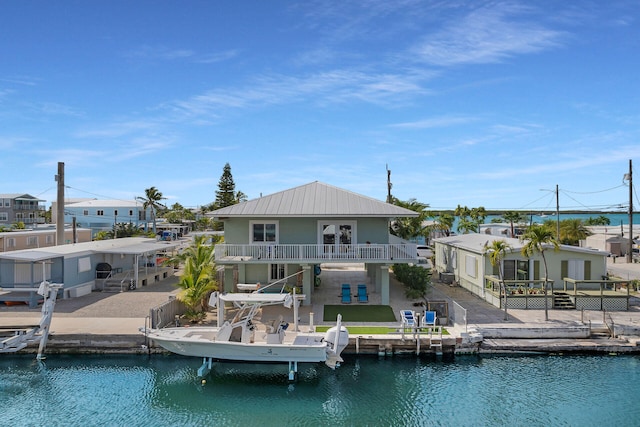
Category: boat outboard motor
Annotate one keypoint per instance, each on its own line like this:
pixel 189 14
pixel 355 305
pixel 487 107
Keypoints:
pixel 337 339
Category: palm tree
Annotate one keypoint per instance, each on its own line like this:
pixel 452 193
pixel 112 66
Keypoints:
pixel 513 217
pixel 444 222
pixel 497 251
pixel 466 226
pixel 151 200
pixel 408 228
pixel 572 231
pixel 198 277
pixel 537 238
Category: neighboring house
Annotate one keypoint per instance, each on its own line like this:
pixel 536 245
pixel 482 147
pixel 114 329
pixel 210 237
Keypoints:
pixel 501 229
pixel 79 266
pixel 21 208
pixel 39 238
pixel 67 201
pixel 102 215
pixel 284 236
pixel 616 245
pixel 462 258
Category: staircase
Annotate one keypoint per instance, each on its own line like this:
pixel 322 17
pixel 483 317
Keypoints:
pixel 562 301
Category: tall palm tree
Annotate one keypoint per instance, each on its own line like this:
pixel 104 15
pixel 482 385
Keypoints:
pixel 537 239
pixel 151 200
pixel 497 251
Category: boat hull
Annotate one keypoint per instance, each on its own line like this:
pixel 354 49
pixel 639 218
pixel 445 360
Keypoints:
pixel 200 342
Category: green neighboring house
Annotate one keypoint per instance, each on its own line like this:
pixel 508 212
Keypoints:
pixel 462 259
pixel 287 236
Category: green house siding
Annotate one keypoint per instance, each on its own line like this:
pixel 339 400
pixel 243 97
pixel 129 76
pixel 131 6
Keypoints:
pixel 305 230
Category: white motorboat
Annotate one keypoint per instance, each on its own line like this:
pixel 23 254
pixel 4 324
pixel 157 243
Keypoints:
pixel 240 339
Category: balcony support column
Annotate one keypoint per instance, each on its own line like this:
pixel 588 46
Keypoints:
pixel 384 284
pixel 306 283
pixel 228 284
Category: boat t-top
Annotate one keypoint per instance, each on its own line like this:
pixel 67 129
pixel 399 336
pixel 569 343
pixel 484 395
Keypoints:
pixel 240 339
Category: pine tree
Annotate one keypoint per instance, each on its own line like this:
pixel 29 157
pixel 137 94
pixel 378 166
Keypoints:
pixel 226 193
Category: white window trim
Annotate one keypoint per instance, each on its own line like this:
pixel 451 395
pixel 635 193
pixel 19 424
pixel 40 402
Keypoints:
pixel 471 266
pixel 253 222
pixel 337 223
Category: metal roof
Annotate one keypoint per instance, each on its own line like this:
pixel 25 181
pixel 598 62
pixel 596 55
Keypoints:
pixel 315 199
pixel 20 196
pixel 104 203
pixel 127 245
pixel 475 242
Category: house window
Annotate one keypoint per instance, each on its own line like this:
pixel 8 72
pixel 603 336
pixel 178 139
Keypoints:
pixel 471 265
pixel 11 242
pixel 130 212
pixel 85 212
pixel 32 241
pixel 515 269
pixel 49 240
pixel 4 217
pixel 264 232
pixel 115 212
pixel 142 215
pixel 276 272
pixel 100 212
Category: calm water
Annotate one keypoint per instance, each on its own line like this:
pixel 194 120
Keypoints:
pixel 470 391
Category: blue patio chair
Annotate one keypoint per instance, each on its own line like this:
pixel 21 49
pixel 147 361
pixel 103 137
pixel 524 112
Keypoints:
pixel 346 286
pixel 346 295
pixel 363 295
pixel 430 319
pixel 408 318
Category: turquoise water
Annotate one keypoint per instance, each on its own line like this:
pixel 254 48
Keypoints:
pixel 398 391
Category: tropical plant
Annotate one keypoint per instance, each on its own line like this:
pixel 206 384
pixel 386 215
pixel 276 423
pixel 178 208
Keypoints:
pixel 497 251
pixel 410 227
pixel 151 200
pixel 444 222
pixel 469 220
pixel 537 239
pixel 599 220
pixel 513 217
pixel 416 280
pixel 198 277
pixel 466 226
pixel 572 231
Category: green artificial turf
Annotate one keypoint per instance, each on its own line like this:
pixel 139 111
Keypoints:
pixel 376 330
pixel 359 313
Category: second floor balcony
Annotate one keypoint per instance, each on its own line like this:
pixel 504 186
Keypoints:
pixel 315 253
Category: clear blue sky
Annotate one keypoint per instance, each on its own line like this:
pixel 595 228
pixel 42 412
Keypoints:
pixel 478 103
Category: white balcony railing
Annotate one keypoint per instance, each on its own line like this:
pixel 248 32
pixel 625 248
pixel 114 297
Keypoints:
pixel 316 253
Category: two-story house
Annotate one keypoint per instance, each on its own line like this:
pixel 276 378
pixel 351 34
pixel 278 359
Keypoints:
pixel 21 208
pixel 288 234
pixel 102 215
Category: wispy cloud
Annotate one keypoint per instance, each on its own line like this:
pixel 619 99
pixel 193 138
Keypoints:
pixel 486 35
pixel 337 86
pixel 118 129
pixel 163 53
pixel 435 122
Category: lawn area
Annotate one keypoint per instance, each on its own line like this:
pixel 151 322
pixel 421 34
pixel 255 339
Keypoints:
pixel 375 330
pixel 360 313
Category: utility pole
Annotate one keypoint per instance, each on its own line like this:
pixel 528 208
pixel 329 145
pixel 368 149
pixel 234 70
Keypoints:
pixel 557 214
pixel 630 251
pixel 60 205
pixel 389 185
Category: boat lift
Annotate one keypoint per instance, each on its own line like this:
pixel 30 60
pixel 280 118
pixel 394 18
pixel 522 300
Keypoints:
pixel 23 335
